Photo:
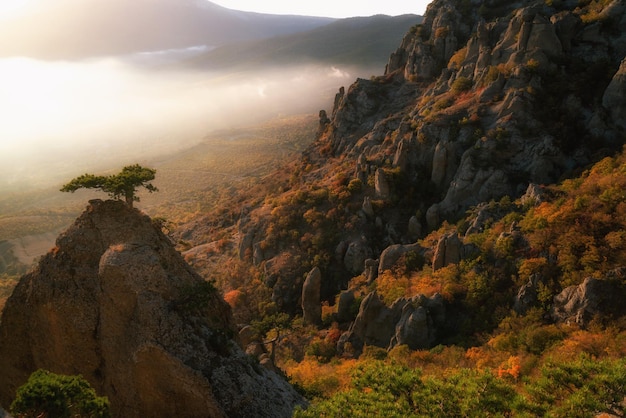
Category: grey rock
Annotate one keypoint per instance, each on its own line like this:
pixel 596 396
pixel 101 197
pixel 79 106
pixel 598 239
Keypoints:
pixel 4 414
pixel 311 294
pixel 356 254
pixel 371 270
pixel 614 99
pixel 414 228
pixel 381 185
pixel 579 304
pixel 116 303
pixel 344 306
pixel 414 322
pixel 526 297
pixel 391 254
pixel 367 208
pixel 449 250
pixel 534 195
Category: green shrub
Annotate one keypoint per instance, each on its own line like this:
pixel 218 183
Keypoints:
pixel 461 84
pixel 46 394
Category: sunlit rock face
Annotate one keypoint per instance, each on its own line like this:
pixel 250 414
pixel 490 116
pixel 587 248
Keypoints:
pixel 116 303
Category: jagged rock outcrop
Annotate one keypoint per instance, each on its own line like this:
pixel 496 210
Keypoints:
pixel 449 250
pixel 482 100
pixel 526 297
pixel 419 321
pixel 414 322
pixel 311 293
pixel 357 251
pixel 381 185
pixel 593 297
pixel 115 302
pixel 392 254
pixel 614 99
pixel 344 306
pixel 505 136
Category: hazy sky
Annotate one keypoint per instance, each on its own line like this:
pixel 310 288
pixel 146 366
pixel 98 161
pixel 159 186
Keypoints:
pixel 330 8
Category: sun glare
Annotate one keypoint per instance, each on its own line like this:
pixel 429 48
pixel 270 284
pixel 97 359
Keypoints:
pixel 11 8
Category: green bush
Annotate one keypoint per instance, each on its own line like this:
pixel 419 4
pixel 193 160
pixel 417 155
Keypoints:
pixel 461 84
pixel 46 394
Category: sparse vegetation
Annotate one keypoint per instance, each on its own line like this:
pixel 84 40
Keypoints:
pixel 461 84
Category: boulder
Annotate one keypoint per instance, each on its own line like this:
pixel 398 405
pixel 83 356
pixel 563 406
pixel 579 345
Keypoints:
pixel 381 185
pixel 526 296
pixel 414 230
pixel 311 304
pixel 420 319
pixel 344 306
pixel 367 208
pixel 371 270
pixel 374 325
pixel 440 164
pixel 579 304
pixel 116 303
pixel 356 254
pixel 534 195
pixel 392 254
pixel 449 250
pixel 415 322
pixel 4 414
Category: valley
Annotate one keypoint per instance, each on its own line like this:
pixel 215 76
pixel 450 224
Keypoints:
pixel 444 238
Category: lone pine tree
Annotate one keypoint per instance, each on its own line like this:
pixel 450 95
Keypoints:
pixel 124 184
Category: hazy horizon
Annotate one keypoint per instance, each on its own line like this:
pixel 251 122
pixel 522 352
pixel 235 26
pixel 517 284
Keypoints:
pixel 62 118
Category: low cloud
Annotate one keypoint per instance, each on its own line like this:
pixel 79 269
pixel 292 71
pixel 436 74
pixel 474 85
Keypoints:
pixel 64 118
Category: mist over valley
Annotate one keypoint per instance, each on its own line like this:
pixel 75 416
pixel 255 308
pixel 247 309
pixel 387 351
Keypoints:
pixel 67 117
pixel 93 103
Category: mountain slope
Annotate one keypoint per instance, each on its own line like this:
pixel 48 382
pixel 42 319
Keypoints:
pixel 476 104
pixel 77 29
pixel 354 41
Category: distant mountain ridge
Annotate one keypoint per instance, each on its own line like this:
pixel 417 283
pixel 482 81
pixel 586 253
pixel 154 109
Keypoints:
pixel 355 41
pixel 73 29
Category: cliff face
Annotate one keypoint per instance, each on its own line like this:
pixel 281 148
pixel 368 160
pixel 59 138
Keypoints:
pixel 115 302
pixel 480 101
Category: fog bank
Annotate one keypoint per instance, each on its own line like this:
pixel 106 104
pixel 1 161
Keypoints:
pixel 60 119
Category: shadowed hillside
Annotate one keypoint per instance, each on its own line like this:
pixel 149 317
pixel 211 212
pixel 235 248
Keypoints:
pixel 356 41
pixel 451 241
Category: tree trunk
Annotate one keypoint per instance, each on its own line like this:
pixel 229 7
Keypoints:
pixel 130 197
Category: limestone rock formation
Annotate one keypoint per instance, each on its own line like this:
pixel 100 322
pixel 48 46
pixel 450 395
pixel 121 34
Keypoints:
pixel 381 185
pixel 114 302
pixel 579 304
pixel 449 250
pixel 482 100
pixel 614 99
pixel 311 303
pixel 526 296
pixel 344 306
pixel 414 322
pixel 391 254
pixel 419 321
pixel 356 253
